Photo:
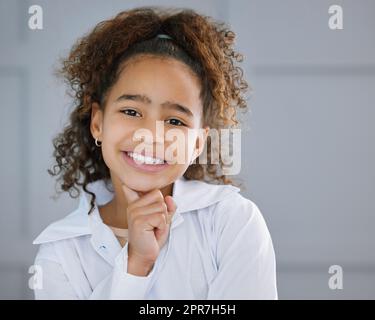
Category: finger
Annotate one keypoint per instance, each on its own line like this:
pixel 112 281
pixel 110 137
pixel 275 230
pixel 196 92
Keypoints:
pixel 148 198
pixel 171 205
pixel 130 194
pixel 156 220
pixel 160 207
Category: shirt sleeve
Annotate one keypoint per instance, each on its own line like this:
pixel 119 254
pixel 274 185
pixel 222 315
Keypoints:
pixel 55 283
pixel 244 253
pixel 121 285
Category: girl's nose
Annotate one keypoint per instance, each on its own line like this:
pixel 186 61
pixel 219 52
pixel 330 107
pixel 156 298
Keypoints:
pixel 156 129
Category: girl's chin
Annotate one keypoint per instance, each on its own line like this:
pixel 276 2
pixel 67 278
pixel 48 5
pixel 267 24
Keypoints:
pixel 143 186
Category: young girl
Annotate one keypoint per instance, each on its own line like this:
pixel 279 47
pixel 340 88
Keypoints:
pixel 148 227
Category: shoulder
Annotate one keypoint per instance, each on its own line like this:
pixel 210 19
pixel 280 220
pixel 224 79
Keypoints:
pixel 191 195
pixel 236 216
pixel 77 223
pixel 58 237
pixel 236 206
pixel 73 225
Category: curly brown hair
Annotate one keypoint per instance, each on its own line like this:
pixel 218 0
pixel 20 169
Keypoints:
pixel 203 44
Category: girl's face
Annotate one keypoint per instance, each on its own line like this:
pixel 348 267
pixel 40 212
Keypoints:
pixel 150 89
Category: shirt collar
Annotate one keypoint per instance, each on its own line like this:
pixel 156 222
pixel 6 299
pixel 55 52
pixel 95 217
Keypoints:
pixel 189 195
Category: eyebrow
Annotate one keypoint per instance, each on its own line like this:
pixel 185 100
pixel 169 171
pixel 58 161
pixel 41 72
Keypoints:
pixel 146 100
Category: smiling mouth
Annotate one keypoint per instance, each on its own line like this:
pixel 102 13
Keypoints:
pixel 145 159
pixel 144 163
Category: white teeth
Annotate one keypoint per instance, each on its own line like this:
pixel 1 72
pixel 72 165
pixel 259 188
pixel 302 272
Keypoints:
pixel 144 159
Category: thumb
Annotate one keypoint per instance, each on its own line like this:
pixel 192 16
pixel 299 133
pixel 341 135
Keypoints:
pixel 171 205
pixel 130 194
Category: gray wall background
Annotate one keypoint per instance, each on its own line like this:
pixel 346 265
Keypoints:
pixel 308 141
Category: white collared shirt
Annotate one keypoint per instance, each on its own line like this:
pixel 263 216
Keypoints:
pixel 218 247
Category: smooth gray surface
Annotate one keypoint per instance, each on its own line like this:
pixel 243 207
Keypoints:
pixel 308 142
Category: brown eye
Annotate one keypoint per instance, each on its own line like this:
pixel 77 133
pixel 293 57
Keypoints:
pixel 177 122
pixel 130 112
